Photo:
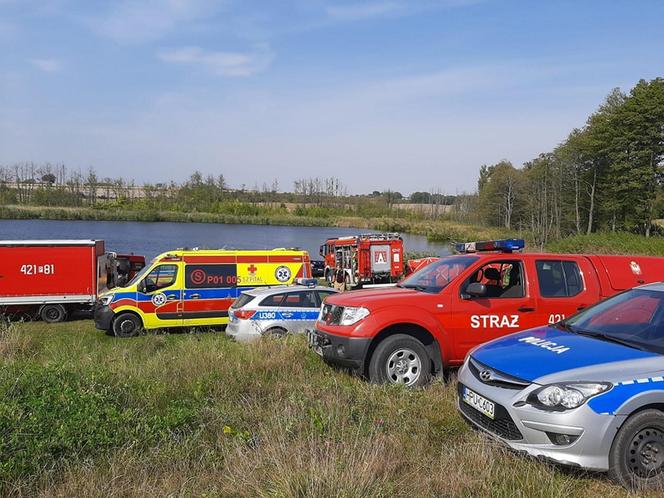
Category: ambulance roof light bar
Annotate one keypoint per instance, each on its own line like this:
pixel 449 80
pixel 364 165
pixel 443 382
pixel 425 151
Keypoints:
pixel 505 245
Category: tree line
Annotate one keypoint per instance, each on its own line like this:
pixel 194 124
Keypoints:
pixel 605 176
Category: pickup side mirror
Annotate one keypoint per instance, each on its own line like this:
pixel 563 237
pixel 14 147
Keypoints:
pixel 475 289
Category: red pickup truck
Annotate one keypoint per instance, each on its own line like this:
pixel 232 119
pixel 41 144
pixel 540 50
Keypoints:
pixel 429 321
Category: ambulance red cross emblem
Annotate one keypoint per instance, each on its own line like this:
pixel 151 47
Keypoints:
pixel 252 269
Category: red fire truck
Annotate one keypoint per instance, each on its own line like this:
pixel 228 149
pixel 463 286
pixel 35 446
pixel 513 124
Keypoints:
pixel 431 320
pixel 369 258
pixel 53 278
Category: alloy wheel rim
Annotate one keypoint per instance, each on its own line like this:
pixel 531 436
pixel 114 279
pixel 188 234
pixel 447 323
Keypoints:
pixel 404 367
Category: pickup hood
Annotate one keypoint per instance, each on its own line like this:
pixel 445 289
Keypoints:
pixel 375 298
pixel 547 354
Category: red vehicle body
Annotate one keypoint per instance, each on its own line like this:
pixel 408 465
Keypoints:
pixel 434 317
pixel 369 258
pixel 56 277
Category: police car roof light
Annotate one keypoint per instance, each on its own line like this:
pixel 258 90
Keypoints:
pixel 504 245
pixel 307 282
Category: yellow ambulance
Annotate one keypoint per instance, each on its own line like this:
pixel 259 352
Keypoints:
pixel 185 288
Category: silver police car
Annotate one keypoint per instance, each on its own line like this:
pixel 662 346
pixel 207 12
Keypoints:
pixel 275 310
pixel 586 392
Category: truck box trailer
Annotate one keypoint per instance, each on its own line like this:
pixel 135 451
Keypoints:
pixel 52 278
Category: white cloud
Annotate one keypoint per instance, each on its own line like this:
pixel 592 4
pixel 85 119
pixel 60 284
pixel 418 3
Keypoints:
pixel 46 65
pixel 236 64
pixel 134 22
pixel 373 9
pixel 354 12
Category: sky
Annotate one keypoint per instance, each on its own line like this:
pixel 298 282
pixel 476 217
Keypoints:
pixel 407 95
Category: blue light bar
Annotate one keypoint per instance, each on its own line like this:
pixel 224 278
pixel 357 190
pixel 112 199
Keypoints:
pixel 505 245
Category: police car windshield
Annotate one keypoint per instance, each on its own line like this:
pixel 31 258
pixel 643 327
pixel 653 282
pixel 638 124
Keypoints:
pixel 634 318
pixel 436 276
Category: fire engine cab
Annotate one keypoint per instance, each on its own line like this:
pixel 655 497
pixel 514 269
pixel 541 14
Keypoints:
pixel 369 258
pixel 430 320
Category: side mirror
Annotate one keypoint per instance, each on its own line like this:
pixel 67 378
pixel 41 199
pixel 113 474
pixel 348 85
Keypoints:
pixel 141 286
pixel 475 289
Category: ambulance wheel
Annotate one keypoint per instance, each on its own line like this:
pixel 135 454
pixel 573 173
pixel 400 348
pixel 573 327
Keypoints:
pixel 53 313
pixel 636 459
pixel 400 359
pixel 127 325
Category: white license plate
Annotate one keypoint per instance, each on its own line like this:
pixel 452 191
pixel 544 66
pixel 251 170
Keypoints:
pixel 480 403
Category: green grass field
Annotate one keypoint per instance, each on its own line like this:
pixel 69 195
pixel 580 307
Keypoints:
pixel 84 414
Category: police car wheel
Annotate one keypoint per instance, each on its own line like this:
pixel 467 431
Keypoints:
pixel 636 459
pixel 276 332
pixel 400 359
pixel 126 325
pixel 53 313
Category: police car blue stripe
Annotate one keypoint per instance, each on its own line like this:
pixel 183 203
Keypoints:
pixel 286 315
pixel 610 402
pixel 538 352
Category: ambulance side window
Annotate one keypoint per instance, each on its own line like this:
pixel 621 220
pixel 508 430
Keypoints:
pixel 160 277
pixel 503 279
pixel 558 278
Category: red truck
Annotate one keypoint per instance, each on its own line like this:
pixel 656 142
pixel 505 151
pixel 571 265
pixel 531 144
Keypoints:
pixel 53 278
pixel 428 322
pixel 369 258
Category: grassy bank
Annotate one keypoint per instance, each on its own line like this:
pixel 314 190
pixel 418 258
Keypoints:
pixel 83 414
pixel 440 230
pixel 609 243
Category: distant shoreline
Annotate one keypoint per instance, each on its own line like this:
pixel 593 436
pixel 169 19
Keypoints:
pixel 434 230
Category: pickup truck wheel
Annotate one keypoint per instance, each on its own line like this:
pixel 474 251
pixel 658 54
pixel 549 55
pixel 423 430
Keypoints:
pixel 636 459
pixel 126 325
pixel 53 313
pixel 400 359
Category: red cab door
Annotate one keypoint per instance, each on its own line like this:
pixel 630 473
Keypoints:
pixel 507 307
pixel 564 286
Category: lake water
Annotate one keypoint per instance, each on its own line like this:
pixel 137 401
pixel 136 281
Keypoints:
pixel 151 239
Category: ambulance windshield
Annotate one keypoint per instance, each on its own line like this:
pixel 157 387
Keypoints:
pixel 436 276
pixel 139 276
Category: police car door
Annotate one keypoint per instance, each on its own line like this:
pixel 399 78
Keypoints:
pixel 299 310
pixel 506 307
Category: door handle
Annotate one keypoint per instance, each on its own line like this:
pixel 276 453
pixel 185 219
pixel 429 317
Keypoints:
pixel 194 296
pixel 581 308
pixel 171 298
pixel 525 309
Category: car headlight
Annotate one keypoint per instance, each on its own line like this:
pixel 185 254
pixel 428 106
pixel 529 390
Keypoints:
pixel 106 300
pixel 351 315
pixel 567 395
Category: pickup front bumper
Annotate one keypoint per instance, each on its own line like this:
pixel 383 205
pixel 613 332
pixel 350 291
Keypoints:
pixel 349 352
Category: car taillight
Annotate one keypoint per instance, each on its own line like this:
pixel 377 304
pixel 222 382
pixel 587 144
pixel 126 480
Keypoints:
pixel 244 314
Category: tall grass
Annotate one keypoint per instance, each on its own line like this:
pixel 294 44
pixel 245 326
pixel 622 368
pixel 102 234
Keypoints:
pixel 83 414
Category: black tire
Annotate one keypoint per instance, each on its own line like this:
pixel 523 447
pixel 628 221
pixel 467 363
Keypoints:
pixel 636 459
pixel 53 313
pixel 400 359
pixel 276 332
pixel 126 325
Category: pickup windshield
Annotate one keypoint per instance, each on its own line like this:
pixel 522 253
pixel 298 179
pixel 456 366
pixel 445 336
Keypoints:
pixel 634 318
pixel 436 276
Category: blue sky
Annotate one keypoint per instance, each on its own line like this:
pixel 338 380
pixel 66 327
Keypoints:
pixel 408 95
